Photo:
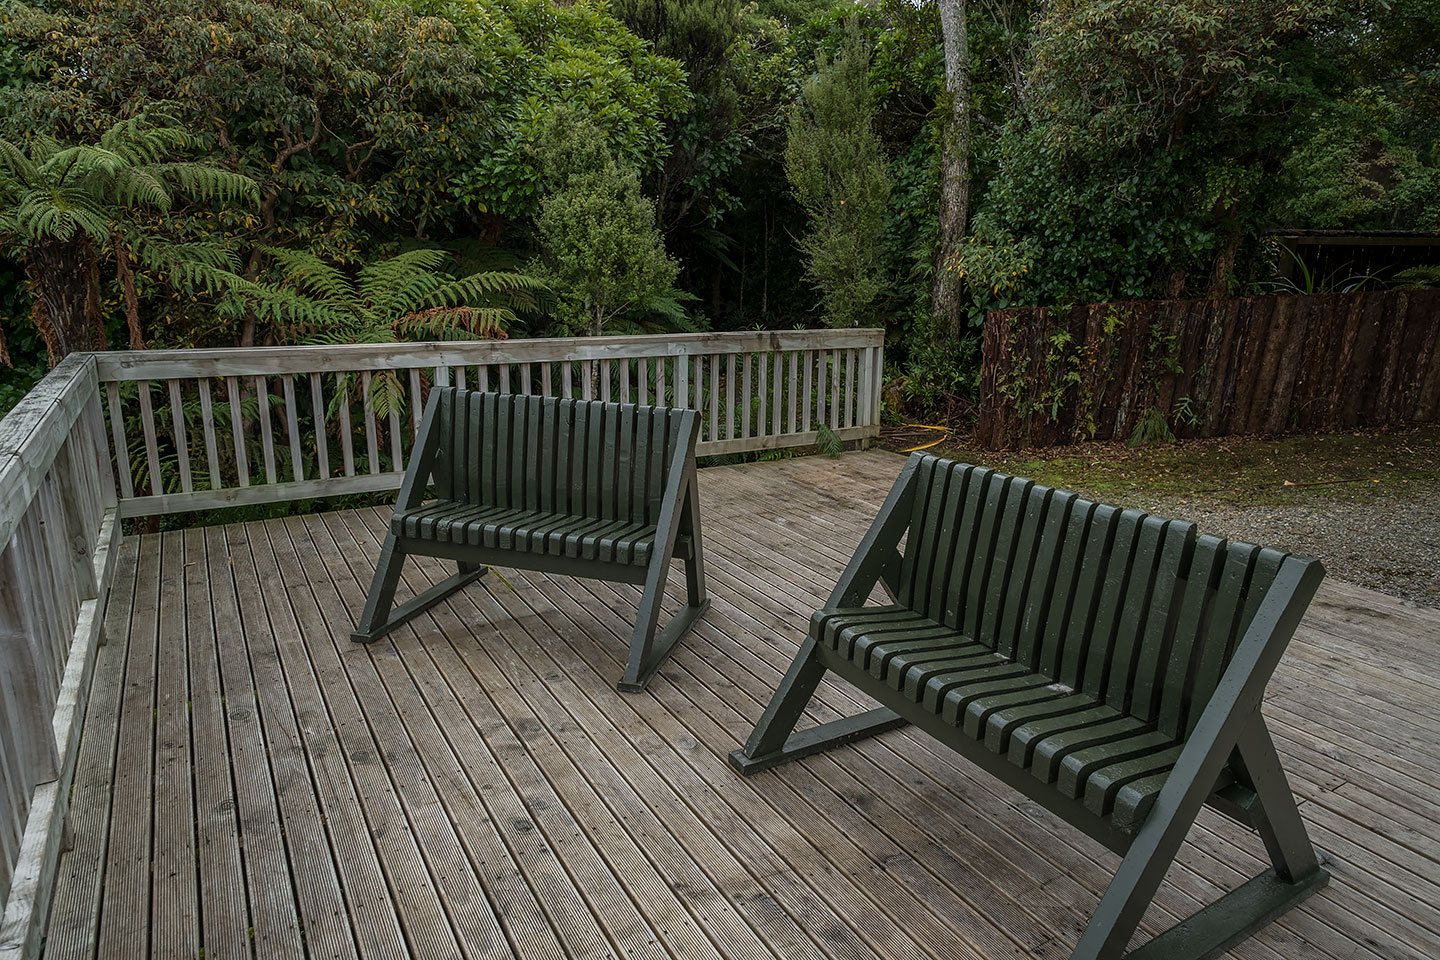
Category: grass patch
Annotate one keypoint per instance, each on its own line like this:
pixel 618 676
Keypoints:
pixel 1339 467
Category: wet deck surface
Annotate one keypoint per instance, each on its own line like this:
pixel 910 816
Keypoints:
pixel 251 783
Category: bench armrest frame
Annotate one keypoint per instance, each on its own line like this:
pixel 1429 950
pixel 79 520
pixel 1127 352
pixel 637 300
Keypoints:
pixel 877 558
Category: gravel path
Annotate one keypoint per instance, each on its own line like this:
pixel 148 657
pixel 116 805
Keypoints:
pixel 1390 543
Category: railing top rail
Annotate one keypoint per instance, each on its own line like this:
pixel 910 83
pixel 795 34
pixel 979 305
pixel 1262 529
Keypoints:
pixel 33 432
pixel 260 361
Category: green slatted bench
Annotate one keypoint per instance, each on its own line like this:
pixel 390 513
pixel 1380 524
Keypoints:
pixel 1107 663
pixel 576 487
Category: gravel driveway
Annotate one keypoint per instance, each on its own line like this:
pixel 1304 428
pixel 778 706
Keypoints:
pixel 1390 544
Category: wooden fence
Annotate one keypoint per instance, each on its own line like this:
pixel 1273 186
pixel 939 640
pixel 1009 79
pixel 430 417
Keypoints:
pixel 1261 365
pixel 199 429
pixel 58 527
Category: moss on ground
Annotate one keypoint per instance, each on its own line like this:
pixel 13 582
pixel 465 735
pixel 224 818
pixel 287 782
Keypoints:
pixel 1340 467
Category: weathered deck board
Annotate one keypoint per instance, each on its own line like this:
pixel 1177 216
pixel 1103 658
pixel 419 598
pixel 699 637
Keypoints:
pixel 473 786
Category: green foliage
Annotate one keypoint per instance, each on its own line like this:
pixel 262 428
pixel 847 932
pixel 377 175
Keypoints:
pixel 601 253
pixel 410 296
pixel 838 174
pixel 66 206
pixel 828 442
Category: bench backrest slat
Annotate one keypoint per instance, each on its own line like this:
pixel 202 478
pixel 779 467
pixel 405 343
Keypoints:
pixel 605 461
pixel 1135 610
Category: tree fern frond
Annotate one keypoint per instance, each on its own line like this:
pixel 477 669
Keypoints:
pixel 456 323
pixel 314 276
pixel 136 187
pixel 479 286
pixel 206 182
pixel 22 169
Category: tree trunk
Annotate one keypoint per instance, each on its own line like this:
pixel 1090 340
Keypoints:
pixel 126 278
pixel 66 280
pixel 1224 265
pixel 954 170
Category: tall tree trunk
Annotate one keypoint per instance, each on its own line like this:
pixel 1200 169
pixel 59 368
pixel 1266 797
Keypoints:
pixel 66 280
pixel 126 278
pixel 954 169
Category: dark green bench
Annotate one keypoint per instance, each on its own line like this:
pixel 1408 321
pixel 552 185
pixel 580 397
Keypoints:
pixel 1107 663
pixel 575 487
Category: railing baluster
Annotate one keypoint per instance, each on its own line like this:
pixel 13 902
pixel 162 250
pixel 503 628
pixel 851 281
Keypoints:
pixel 807 402
pixel 152 448
pixel 207 426
pixel 835 389
pixel 792 384
pixel 182 442
pixel 372 441
pixel 682 383
pixel 504 379
pixel 745 397
pixel 642 383
pixel 122 447
pixel 587 379
pixel 292 425
pixel 546 387
pixel 605 379
pixel 347 432
pixel 322 438
pixel 624 380
pixel 567 388
pixel 417 402
pixel 714 397
pixel 267 429
pixel 730 396
pixel 762 391
pixel 660 398
pixel 397 455
pixel 525 379
pixel 237 429
pixel 851 379
pixel 777 398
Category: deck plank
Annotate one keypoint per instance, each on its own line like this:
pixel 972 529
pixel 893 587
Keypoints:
pixel 253 784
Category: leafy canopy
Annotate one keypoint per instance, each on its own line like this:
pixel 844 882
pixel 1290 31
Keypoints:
pixel 838 174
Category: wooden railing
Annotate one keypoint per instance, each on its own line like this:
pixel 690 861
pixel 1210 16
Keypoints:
pixel 200 429
pixel 58 525
pixel 110 435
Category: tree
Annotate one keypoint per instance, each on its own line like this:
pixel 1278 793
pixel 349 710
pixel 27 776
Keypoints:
pixel 945 290
pixel 838 174
pixel 600 251
pixel 70 207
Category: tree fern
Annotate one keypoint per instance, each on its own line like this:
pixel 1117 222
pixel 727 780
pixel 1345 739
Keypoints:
pixel 65 208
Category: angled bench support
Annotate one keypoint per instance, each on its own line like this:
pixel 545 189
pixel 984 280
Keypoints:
pixel 679 515
pixel 381 615
pixel 1230 723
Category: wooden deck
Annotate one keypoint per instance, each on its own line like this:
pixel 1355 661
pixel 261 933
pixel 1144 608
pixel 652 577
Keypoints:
pixel 253 784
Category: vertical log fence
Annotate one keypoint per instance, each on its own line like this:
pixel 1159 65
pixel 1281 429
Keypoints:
pixel 1205 368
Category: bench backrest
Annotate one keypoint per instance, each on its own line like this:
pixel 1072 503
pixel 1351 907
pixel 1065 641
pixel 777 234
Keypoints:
pixel 1128 607
pixel 584 458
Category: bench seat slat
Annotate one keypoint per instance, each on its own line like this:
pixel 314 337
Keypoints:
pixel 1086 748
pixel 616 541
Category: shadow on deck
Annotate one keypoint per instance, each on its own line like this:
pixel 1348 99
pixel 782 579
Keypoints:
pixel 253 784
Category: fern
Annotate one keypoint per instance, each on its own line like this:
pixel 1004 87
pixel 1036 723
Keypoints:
pixel 828 442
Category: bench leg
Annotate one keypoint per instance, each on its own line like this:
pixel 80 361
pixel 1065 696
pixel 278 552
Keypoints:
pixel 773 741
pixel 648 649
pixel 1215 928
pixel 649 646
pixel 381 615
